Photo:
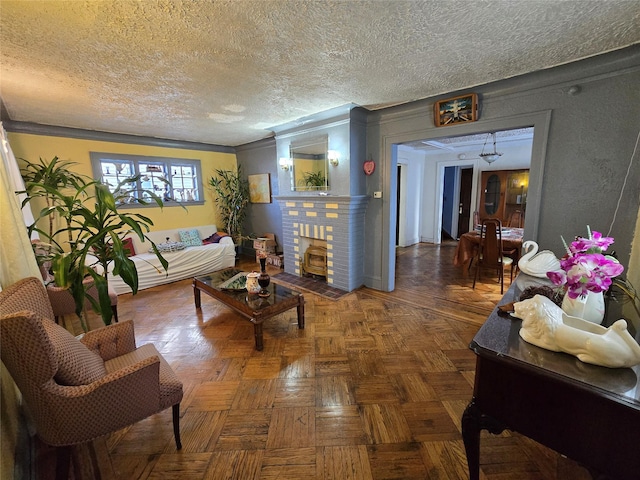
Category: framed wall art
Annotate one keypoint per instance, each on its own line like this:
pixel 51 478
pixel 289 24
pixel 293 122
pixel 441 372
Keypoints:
pixel 260 188
pixel 455 110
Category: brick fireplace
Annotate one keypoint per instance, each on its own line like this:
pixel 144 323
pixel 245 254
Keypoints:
pixel 336 220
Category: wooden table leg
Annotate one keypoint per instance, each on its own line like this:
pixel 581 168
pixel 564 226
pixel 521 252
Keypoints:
pixel 196 296
pixel 473 420
pixel 257 331
pixel 300 309
pixel 471 438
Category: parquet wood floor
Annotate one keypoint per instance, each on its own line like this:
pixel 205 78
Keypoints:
pixel 373 388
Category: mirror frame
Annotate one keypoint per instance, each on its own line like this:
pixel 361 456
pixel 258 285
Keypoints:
pixel 301 153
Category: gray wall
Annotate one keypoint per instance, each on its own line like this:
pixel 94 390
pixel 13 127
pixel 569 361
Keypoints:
pixel 582 147
pixel 581 153
pixel 254 158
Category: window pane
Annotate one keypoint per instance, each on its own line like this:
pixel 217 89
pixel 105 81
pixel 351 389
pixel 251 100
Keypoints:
pixel 114 172
pixel 183 181
pixel 153 180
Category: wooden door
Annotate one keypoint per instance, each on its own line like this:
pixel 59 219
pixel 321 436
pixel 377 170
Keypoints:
pixel 466 177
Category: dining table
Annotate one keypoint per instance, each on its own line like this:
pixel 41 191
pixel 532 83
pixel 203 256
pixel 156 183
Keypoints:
pixel 469 242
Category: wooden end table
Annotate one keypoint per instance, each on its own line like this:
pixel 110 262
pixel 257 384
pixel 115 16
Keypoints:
pixel 254 308
pixel 588 413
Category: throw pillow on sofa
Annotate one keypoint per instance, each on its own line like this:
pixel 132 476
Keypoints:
pixel 191 238
pixel 215 238
pixel 169 247
pixel 127 246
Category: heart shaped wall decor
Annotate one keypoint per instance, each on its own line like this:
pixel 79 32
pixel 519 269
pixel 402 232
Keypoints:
pixel 369 166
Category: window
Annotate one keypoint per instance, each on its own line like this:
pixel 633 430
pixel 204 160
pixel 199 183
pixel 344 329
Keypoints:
pixel 172 179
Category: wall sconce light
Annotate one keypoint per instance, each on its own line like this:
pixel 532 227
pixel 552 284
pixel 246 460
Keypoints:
pixel 285 163
pixel 334 157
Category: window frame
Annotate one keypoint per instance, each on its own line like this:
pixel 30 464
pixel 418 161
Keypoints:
pixel 97 159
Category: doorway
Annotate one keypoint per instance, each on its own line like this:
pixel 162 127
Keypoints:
pixel 456 195
pixel 429 202
pixel 450 178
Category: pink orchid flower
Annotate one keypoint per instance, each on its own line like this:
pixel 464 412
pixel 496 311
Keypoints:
pixel 585 269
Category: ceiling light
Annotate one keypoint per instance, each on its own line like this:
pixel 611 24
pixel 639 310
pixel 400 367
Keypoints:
pixel 490 157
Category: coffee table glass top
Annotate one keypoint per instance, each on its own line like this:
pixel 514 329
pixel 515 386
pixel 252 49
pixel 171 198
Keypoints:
pixel 220 281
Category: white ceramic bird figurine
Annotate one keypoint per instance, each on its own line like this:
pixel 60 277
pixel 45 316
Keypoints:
pixel 537 264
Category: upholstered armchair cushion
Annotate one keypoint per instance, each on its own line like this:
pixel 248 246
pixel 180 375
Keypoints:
pixel 77 365
pixel 112 341
pixel 170 385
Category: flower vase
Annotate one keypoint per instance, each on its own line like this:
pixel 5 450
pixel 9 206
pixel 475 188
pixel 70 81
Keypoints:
pixel 589 307
pixel 264 279
pixel 252 285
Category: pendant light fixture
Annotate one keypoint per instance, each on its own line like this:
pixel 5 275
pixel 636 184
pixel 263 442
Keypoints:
pixel 490 157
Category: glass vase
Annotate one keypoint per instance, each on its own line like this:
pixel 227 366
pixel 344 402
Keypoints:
pixel 264 279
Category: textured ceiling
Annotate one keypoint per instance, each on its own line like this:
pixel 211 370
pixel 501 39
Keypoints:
pixel 224 72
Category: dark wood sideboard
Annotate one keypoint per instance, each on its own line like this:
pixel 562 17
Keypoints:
pixel 589 413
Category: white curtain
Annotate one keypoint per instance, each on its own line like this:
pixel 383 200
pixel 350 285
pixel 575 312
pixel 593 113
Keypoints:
pixel 17 260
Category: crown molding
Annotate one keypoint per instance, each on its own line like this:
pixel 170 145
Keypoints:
pixel 55 131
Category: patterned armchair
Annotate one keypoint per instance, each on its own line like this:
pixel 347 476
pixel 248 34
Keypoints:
pixel 78 390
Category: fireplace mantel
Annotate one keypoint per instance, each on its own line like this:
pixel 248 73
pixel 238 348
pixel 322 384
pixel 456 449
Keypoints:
pixel 321 197
pixel 336 219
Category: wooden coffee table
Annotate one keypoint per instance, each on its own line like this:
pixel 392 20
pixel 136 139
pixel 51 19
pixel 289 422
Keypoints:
pixel 254 308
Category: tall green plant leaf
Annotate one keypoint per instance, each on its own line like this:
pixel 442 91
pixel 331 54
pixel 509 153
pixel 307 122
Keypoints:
pixel 232 199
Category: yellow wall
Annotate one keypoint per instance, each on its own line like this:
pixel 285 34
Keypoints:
pixel 32 147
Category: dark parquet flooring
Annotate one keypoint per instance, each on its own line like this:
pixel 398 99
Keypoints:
pixel 373 388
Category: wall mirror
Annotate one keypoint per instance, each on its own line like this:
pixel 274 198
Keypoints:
pixel 310 165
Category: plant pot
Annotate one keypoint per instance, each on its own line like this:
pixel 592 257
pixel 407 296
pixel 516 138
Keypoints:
pixel 589 307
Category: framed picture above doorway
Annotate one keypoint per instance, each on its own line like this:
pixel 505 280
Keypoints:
pixel 455 110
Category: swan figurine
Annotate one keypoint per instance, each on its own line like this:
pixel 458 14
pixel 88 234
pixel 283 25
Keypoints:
pixel 545 325
pixel 535 263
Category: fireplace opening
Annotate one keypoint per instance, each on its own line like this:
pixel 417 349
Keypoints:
pixel 314 261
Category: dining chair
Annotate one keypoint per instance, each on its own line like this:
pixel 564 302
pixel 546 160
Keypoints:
pixel 515 219
pixel 76 390
pixel 490 250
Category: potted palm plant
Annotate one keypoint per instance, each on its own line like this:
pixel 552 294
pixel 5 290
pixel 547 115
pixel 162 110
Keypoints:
pixel 93 233
pixel 232 199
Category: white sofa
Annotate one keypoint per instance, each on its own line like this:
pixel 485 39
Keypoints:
pixel 187 263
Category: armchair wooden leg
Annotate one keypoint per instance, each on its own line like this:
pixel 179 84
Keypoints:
pixel 63 462
pixel 176 425
pixel 114 309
